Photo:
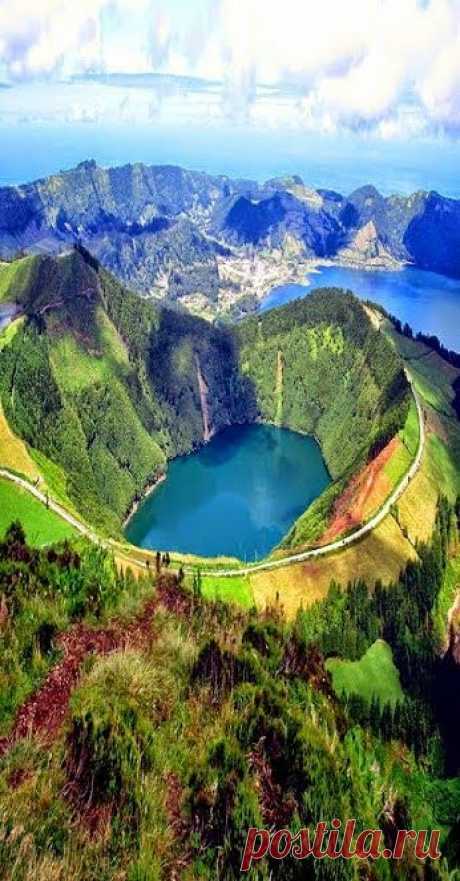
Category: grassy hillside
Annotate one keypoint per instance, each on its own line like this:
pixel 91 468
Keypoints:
pixel 374 676
pixel 145 728
pixel 73 389
pixel 14 454
pixel 318 366
pixel 41 526
pixel 387 549
pixel 15 279
pixel 108 386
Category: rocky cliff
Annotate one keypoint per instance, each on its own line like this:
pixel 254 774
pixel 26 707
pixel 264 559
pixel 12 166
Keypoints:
pixel 187 236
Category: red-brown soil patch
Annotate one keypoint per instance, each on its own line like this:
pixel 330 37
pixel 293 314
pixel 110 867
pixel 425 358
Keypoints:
pixel 44 711
pixel 18 777
pixel 174 806
pixel 366 490
pixel 277 810
pixel 173 597
pixel 180 826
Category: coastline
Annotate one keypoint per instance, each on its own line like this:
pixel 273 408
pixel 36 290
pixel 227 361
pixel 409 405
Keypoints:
pixel 247 280
pixel 302 272
pixel 154 484
pixel 146 492
pixel 307 269
pixel 361 265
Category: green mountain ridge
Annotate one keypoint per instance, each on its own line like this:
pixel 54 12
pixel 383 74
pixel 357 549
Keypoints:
pixel 109 386
pixel 143 728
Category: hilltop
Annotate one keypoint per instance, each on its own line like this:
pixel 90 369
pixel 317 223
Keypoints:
pixel 217 244
pixel 107 387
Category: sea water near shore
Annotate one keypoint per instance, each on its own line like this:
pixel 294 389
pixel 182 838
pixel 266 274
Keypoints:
pixel 429 302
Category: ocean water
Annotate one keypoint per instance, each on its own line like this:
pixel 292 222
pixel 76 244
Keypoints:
pixel 30 150
pixel 237 496
pixel 427 301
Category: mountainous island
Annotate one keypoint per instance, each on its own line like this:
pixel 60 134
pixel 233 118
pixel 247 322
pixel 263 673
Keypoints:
pixel 154 707
pixel 218 245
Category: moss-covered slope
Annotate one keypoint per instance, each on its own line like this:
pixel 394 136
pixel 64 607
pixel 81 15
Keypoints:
pixel 109 386
pixel 319 366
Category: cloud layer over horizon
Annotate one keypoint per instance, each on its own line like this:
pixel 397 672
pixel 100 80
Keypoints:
pixel 389 67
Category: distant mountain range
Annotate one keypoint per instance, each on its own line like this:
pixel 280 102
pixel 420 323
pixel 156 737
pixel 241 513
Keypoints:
pixel 180 234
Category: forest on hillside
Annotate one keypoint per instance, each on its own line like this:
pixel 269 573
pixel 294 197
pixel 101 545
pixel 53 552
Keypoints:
pixel 106 386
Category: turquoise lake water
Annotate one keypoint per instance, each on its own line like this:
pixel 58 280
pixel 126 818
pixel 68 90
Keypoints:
pixel 427 301
pixel 237 496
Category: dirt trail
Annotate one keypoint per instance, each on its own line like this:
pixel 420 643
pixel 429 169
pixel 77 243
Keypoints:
pixel 44 711
pixel 276 809
pixel 279 387
pixel 180 826
pixel 207 430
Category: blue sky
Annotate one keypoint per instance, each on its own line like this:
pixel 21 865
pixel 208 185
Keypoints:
pixel 388 69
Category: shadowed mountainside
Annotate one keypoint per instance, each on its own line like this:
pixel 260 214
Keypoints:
pixel 170 232
pixel 108 386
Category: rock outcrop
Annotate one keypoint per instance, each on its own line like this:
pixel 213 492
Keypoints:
pixel 167 232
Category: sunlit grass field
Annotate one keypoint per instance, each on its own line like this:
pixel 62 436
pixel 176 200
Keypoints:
pixel 373 676
pixel 17 272
pixel 235 590
pixel 41 525
pixel 14 454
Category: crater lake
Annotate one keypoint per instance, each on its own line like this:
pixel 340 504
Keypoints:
pixel 237 496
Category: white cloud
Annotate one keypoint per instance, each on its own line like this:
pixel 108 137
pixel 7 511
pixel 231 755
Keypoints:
pixel 40 39
pixel 371 64
pixel 356 61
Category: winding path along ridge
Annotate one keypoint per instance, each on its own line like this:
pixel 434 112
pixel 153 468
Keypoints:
pixel 256 567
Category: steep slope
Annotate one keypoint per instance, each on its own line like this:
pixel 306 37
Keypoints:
pixel 106 385
pixel 340 378
pixel 268 220
pixel 144 223
pixel 169 232
pixel 109 386
pixel 423 229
